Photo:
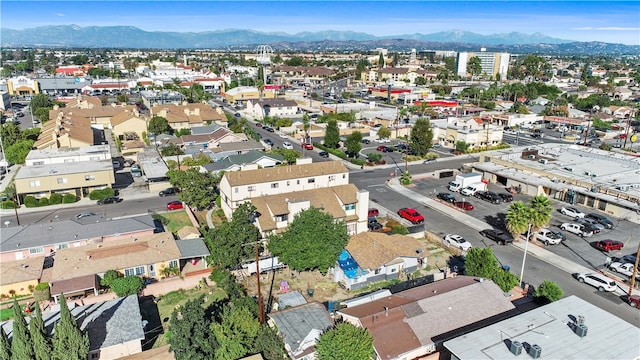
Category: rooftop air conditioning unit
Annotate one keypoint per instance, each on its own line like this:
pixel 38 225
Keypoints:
pixel 516 347
pixel 535 351
pixel 581 330
pixel 543 161
pixel 532 157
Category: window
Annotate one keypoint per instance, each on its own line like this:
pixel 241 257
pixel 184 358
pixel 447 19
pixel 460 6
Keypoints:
pixel 280 218
pixel 36 250
pixel 275 185
pixel 34 183
pixel 38 163
pixel 129 272
pixel 140 270
pixel 94 158
pixel 62 246
pixel 89 177
pixel 68 160
pixel 250 188
pixel 236 190
pixel 297 182
pixel 288 183
pixel 332 177
pixel 173 263
pixel 62 180
pixel 350 207
pixel 311 181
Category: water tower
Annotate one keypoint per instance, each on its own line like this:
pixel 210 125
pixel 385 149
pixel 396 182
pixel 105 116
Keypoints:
pixel 263 57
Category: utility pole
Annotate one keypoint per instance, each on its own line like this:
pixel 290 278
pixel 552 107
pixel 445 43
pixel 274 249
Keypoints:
pixel 633 276
pixel 260 301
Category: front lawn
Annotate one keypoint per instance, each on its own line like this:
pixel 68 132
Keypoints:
pixel 175 220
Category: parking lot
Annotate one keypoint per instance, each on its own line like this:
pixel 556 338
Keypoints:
pixel 575 248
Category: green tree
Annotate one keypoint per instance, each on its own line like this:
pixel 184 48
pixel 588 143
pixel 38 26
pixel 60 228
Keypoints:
pixel 109 278
pixel 474 67
pixel 332 135
pixel 306 124
pixel 21 345
pixel 548 292
pixel 5 345
pixel 269 344
pixel 231 242
pixel 294 61
pixel 39 336
pixel 462 146
pixel 69 343
pixel 354 143
pixel 374 157
pixel 171 150
pixel 345 342
pixel 128 285
pixel 10 133
pixel 41 101
pixel 42 292
pixel 312 241
pixel 421 137
pixel 517 218
pixel 198 189
pixel 450 64
pixel 159 125
pixel 380 61
pixel 289 155
pixel 42 114
pixel 540 211
pixel 235 333
pixel 481 262
pixel 190 334
pixel 17 153
pixel 384 133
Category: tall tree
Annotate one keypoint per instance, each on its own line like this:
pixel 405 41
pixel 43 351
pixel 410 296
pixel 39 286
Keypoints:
pixel 39 336
pixel 230 242
pixel 481 262
pixel 380 61
pixel 517 218
pixel 69 343
pixel 354 143
pixel 235 333
pixel 474 67
pixel 159 125
pixel 332 134
pixel 312 241
pixel 421 137
pixel 540 211
pixel 5 345
pixel 191 337
pixel 345 341
pixel 17 152
pixel 269 344
pixel 306 125
pixel 21 347
pixel 384 132
pixel 198 189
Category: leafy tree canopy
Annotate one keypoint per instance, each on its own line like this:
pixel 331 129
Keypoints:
pixel 21 347
pixel 171 150
pixel 345 342
pixel 17 153
pixel 354 143
pixel 421 137
pixel 231 242
pixel 198 189
pixel 384 133
pixel 191 337
pixel 41 101
pixel 481 262
pixel 128 285
pixel 159 125
pixel 332 135
pixel 312 241
pixel 548 292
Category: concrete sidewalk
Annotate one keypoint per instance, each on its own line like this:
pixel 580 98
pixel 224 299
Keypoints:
pixel 541 253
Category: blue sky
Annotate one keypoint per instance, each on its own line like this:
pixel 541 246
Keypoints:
pixel 609 21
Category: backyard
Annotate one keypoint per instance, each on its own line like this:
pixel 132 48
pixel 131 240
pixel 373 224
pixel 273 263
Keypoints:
pixel 174 221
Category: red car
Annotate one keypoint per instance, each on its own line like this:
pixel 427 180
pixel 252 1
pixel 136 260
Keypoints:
pixel 373 212
pixel 259 124
pixel 307 146
pixel 634 301
pixel 175 205
pixel 608 245
pixel 464 205
pixel 411 215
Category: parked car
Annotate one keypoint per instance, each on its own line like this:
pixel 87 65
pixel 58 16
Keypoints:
pixel 85 214
pixel 237 114
pixel 577 229
pixel 287 145
pixel 572 212
pixel 464 205
pixel 599 281
pixel 283 135
pixel 548 237
pixel 324 154
pixel 445 196
pixel 591 224
pixel 382 140
pixel 384 149
pixel 634 301
pixel 506 197
pixel 268 142
pixel 457 241
pixel 412 215
pixel 259 124
pixel 109 200
pixel 307 146
pixel 375 226
pixel 429 161
pixel 630 258
pixel 366 141
pixel 373 212
pixel 497 236
pixel 560 235
pixel 175 205
pixel 608 245
pixel 491 197
pixel 169 191
pixel 269 129
pixel 606 222
pixel 623 268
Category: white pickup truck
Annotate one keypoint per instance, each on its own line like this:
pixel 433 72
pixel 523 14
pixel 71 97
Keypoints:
pixel 625 269
pixel 473 189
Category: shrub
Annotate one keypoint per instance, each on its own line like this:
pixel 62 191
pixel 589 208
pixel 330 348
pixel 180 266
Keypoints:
pixel 30 201
pixel 109 277
pixel 548 292
pixel 69 199
pixel 55 198
pixel 101 194
pixel 374 157
pixel 337 152
pixel 128 285
pixel 400 229
pixel 392 224
pixel 43 201
pixel 358 161
pixel 7 204
pixel 42 292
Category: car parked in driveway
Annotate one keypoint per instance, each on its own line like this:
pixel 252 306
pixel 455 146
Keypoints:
pixel 608 245
pixel 109 200
pixel 457 241
pixel 412 215
pixel 373 212
pixel 175 205
pixel 268 142
pixel 497 236
pixel 577 229
pixel 374 225
pixel 547 237
pixel 572 212
pixel 599 281
pixel 447 197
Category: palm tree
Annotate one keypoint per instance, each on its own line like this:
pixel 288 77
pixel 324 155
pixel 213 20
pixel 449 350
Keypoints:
pixel 540 213
pixel 518 218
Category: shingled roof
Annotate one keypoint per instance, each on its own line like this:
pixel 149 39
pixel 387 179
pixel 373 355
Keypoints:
pixel 247 177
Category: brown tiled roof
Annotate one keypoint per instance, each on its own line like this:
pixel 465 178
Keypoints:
pixel 96 112
pixel 12 272
pixel 75 285
pixel 120 254
pixel 372 250
pixel 191 113
pixel 125 116
pixel 78 128
pixel 247 177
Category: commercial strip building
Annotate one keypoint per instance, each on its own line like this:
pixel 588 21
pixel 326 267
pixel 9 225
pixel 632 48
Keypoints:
pixel 604 180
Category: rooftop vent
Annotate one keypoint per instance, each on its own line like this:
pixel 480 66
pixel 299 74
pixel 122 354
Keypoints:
pixel 581 330
pixel 515 347
pixel 535 351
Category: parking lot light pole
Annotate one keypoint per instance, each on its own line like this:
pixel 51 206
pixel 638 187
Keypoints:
pixel 524 257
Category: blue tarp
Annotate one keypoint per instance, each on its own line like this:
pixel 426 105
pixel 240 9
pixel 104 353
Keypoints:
pixel 348 264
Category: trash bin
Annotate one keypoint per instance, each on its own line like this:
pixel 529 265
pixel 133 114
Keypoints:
pixel 506 267
pixel 310 292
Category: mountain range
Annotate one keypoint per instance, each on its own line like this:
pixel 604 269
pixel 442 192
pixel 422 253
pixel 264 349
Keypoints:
pixel 133 37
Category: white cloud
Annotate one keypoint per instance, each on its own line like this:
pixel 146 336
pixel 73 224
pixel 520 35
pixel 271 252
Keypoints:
pixel 60 14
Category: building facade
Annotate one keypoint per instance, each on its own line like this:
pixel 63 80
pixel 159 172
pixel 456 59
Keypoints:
pixel 493 64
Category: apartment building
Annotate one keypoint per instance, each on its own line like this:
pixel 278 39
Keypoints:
pixel 492 63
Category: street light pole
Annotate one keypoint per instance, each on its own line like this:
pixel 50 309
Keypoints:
pixel 524 257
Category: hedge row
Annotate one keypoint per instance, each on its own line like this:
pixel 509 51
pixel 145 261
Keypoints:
pixel 7 204
pixel 337 152
pixel 101 194
pixel 30 201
